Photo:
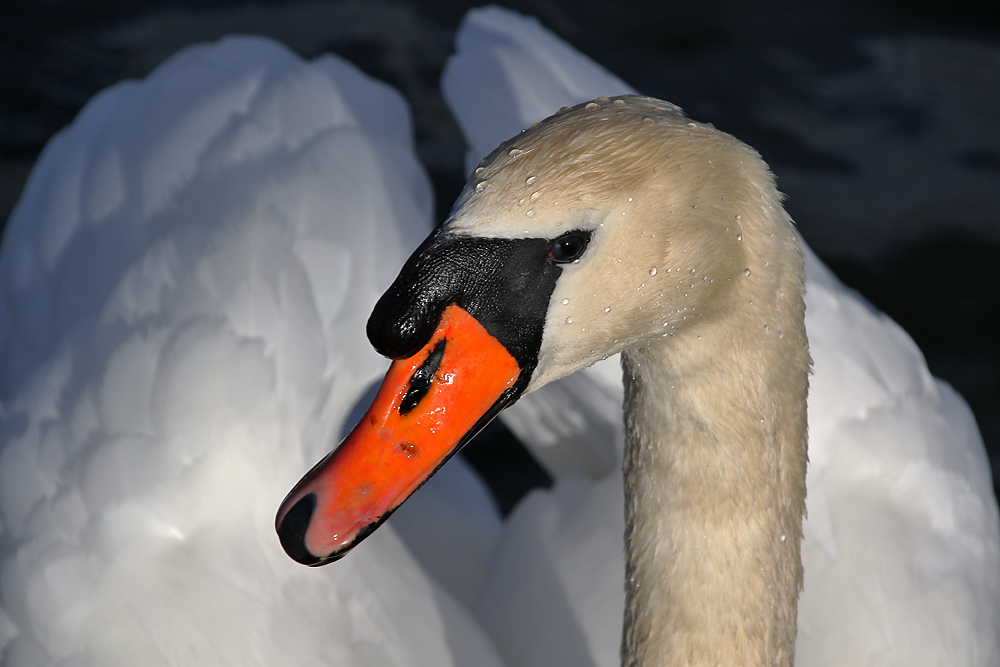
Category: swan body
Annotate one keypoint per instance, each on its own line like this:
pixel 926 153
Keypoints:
pixel 185 285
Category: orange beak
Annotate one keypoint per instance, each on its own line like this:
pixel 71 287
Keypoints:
pixel 427 408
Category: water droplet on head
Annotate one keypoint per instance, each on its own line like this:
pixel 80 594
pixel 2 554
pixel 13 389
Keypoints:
pixel 514 152
pixel 608 309
pixel 692 125
pixel 480 186
pixel 530 213
pixel 565 302
pixel 591 106
pixel 535 195
pixel 739 237
pixel 479 171
pixel 569 320
pixel 652 271
pixel 530 180
pixel 746 272
pixel 647 121
pixel 782 537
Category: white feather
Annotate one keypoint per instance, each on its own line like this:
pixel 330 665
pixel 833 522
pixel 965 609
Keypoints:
pixel 185 288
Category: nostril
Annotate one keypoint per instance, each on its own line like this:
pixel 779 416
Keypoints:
pixel 422 378
pixel 293 527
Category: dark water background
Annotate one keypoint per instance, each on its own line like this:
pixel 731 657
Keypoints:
pixel 728 63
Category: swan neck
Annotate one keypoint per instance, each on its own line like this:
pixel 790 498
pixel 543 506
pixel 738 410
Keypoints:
pixel 715 491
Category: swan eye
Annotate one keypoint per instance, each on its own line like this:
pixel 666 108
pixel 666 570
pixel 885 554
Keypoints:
pixel 569 247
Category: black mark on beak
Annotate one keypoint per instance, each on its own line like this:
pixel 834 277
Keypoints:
pixel 422 378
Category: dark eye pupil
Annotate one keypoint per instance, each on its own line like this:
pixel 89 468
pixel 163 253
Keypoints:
pixel 568 248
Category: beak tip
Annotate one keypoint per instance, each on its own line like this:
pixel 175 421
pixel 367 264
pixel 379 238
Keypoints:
pixel 292 528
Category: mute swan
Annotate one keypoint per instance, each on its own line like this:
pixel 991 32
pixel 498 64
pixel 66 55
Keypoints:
pixel 507 215
pixel 617 225
pixel 138 531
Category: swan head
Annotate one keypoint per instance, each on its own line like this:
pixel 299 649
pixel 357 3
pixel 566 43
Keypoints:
pixel 605 227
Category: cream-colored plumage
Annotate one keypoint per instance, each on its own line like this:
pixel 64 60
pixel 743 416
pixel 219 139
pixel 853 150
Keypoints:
pixel 694 271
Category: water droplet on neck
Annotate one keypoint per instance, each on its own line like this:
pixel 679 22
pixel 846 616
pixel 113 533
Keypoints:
pixel 608 309
pixel 647 121
pixel 746 272
pixel 569 320
pixel 652 271
pixel 739 237
pixel 535 195
pixel 530 213
pixel 530 180
pixel 480 186
pixel 514 152
pixel 565 302
pixel 591 106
